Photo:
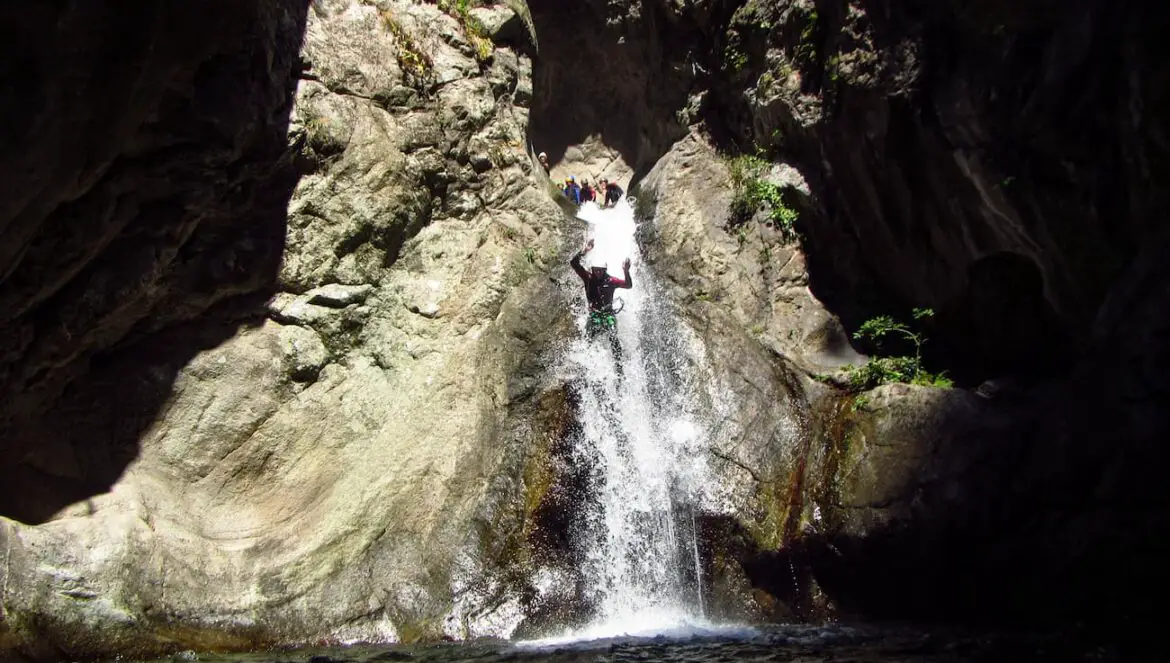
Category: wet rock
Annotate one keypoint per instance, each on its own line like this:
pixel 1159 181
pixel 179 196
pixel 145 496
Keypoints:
pixel 480 162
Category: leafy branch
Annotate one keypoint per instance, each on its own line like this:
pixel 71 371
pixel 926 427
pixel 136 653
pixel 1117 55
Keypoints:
pixel 884 370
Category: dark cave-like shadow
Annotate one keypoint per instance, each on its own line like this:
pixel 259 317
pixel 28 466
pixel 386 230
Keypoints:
pixel 593 78
pixel 1041 508
pixel 894 222
pixel 157 231
pixel 1046 504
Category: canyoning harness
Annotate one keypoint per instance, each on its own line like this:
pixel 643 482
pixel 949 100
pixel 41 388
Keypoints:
pixel 603 319
pixel 600 321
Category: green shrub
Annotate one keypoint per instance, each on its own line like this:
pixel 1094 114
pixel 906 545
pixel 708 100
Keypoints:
pixel 885 370
pixel 319 141
pixel 741 235
pixel 765 82
pixel 928 379
pixel 478 36
pixel 833 67
pixel 753 193
pixel 509 232
pixel 734 60
pixel 807 48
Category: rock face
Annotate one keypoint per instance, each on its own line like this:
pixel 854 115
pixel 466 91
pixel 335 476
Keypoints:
pixel 979 163
pixel 132 149
pixel 998 165
pixel 753 271
pixel 320 467
pixel 621 71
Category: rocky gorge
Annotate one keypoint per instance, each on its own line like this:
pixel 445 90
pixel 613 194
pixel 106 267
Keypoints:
pixel 285 286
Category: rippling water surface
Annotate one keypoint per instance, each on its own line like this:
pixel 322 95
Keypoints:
pixel 798 644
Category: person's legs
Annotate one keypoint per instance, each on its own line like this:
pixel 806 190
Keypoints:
pixel 592 326
pixel 615 344
pixel 605 324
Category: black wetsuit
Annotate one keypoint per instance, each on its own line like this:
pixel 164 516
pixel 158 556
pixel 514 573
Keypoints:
pixel 613 193
pixel 599 292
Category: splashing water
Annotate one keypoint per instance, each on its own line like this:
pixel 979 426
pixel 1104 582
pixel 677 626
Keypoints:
pixel 640 432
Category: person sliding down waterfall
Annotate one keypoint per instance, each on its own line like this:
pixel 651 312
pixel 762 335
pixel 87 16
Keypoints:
pixel 599 287
pixel 612 192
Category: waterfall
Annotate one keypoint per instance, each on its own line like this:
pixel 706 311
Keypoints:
pixel 642 431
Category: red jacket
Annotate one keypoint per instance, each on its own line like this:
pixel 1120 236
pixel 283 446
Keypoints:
pixel 599 291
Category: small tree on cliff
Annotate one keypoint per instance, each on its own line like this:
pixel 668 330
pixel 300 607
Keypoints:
pixel 883 370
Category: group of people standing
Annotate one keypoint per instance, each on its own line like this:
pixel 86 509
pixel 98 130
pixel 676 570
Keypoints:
pixel 606 194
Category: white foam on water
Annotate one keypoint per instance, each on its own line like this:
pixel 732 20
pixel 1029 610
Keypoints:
pixel 663 626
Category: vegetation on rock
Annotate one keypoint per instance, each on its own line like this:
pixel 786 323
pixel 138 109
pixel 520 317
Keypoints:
pixel 473 28
pixel 884 370
pixel 753 193
pixel 411 58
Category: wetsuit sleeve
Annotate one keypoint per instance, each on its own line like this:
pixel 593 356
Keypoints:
pixel 575 263
pixel 628 282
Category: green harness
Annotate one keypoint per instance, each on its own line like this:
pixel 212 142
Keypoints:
pixel 600 321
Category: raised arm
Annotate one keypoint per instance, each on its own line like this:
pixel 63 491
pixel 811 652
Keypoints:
pixel 575 263
pixel 627 282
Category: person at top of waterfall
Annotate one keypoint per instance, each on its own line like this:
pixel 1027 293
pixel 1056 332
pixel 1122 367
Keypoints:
pixel 572 190
pixel 613 193
pixel 543 159
pixel 587 193
pixel 609 193
pixel 599 288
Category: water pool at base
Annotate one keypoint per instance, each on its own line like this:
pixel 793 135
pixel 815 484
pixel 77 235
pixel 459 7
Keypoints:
pixel 796 644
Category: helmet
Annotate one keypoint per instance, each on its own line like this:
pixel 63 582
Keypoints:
pixel 542 155
pixel 572 178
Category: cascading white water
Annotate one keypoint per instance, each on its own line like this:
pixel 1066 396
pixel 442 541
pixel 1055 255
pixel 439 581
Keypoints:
pixel 640 430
